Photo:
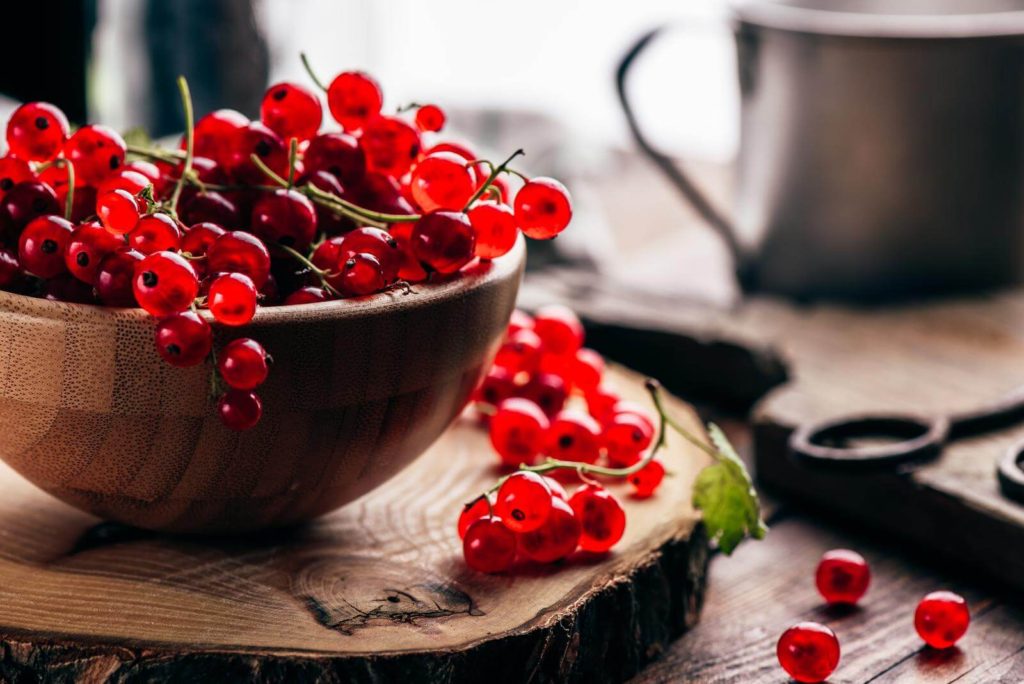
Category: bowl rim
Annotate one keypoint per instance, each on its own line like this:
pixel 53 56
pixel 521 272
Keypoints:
pixel 475 276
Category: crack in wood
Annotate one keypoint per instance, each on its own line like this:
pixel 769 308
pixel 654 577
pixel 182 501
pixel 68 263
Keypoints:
pixel 426 601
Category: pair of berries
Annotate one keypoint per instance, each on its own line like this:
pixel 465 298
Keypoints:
pixel 809 651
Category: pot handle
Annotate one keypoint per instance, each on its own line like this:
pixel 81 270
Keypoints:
pixel 675 175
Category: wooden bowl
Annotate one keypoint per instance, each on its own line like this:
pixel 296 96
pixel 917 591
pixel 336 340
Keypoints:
pixel 358 389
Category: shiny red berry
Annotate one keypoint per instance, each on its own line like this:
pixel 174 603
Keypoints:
pixel 215 134
pixel 240 252
pixel 284 217
pixel 209 207
pixel 573 436
pixel 523 501
pixel 842 576
pixel 587 369
pixel 12 172
pixel 232 299
pixel 378 192
pixel 338 154
pixel 517 431
pixel 442 180
pixel 647 480
pixel 559 329
pixel 37 131
pixel 519 320
pixel 601 402
pixel 291 111
pixel 89 244
pixel 626 436
pixel 184 339
pixel 942 618
pixel 429 118
pixel 520 352
pixel 498 385
pixel 360 275
pixel 489 546
pixel 602 518
pixel 444 241
pixel 376 242
pixel 118 211
pixel 239 410
pixel 42 244
pixel 543 208
pixel 165 283
pixel 556 538
pixel 10 269
pixel 146 168
pixel 328 222
pixel 307 295
pixel 199 238
pixel 97 152
pixel 353 98
pixel 256 139
pixel 548 391
pixel 24 202
pixel 243 363
pixel 126 179
pixel 391 146
pixel 496 229
pixel 808 652
pixel 410 269
pixel 156 233
pixel 115 277
pixel 472 512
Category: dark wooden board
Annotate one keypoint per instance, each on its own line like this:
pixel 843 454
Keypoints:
pixel 374 592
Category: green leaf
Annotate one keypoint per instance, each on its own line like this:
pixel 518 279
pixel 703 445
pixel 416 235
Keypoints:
pixel 726 497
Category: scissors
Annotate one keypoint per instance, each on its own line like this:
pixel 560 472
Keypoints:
pixel 911 440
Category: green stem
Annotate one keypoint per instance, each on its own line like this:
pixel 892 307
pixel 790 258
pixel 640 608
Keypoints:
pixel 293 152
pixel 495 172
pixel 319 272
pixel 69 198
pixel 312 74
pixel 186 102
pixel 169 156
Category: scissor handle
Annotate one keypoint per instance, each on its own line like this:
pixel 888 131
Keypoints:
pixel 826 444
pixel 1010 472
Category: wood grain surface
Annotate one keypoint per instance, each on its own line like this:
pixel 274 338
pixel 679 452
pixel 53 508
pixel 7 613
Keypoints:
pixel 374 592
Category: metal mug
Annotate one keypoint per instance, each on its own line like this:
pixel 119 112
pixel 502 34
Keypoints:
pixel 881 146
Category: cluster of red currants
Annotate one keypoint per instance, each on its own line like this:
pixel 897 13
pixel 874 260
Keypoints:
pixel 809 651
pixel 539 370
pixel 250 213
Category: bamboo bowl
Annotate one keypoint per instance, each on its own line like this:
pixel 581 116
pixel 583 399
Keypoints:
pixel 92 415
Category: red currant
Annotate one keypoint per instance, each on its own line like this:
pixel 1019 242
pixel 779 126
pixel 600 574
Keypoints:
pixel 559 329
pixel 24 202
pixel 353 98
pixel 557 490
pixel 647 480
pixel 115 277
pixel 37 131
pixel 556 538
pixel 184 339
pixel 519 320
pixel 291 111
pixel 239 410
pixel 200 237
pixel 209 207
pixel 573 436
pixel 257 139
pixel 429 118
pixel 444 241
pixel 376 242
pixel 146 168
pixel 489 546
pixel 391 146
pixel 625 437
pixel 156 233
pixel 523 501
pixel 378 192
pixel 127 179
pixel 842 576
pixel 360 275
pixel 89 243
pixel 307 295
pixel 601 402
pixel 10 269
pixel 232 299
pixel 165 283
pixel 548 391
pixel 633 409
pixel 587 369
pixel 243 364
pixel 499 384
pixel 215 134
pixel 520 352
pixel 942 618
pixel 543 208
pixel 97 153
pixel 517 431
pixel 66 288
pixel 472 512
pixel 240 252
pixel 495 227
pixel 602 519
pixel 442 181
pixel 42 245
pixel 808 652
pixel 337 154
pixel 409 269
pixel 285 217
pixel 12 172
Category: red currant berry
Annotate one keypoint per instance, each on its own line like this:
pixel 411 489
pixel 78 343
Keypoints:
pixel 291 111
pixel 65 288
pixel 429 118
pixel 165 283
pixel 444 241
pixel 243 363
pixel 373 241
pixel 12 172
pixel 442 181
pixel 215 134
pixel 521 352
pixel 146 168
pixel 232 299
pixel 842 576
pixel 307 295
pixel 209 207
pixel 557 490
pixel 199 238
pixel 573 436
pixel 543 208
pixel 633 409
pixel 24 202
pixel 156 233
pixel 559 329
pixel 808 652
pixel 472 512
pixel 625 437
pixel 391 146
pixel 257 139
pixel 556 538
pixel 587 370
pixel 10 269
pixel 495 227
pixel 285 217
pixel 240 252
pixel 327 254
pixel 602 518
pixel 239 410
pixel 523 501
pixel 601 402
pixel 378 192
pixel 115 277
pixel 42 245
pixel 37 131
pixel 548 391
pixel 410 269
pixel 327 221
pixel 647 480
pixel 361 275
pixel 184 339
pixel 97 153
pixel 489 546
pixel 126 179
pixel 89 243
pixel 517 431
pixel 942 618
pixel 353 98
pixel 519 320
pixel 498 385
pixel 337 154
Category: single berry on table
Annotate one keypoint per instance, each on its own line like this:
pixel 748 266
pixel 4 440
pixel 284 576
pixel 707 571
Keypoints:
pixel 232 299
pixel 184 339
pixel 647 480
pixel 941 618
pixel 523 501
pixel 556 538
pixel 489 546
pixel 602 518
pixel 517 431
pixel 842 576
pixel 808 652
pixel 243 363
pixel 625 437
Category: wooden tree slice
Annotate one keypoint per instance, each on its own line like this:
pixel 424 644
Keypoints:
pixel 375 592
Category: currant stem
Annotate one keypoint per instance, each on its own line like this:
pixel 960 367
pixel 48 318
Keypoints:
pixel 495 172
pixel 169 156
pixel 293 151
pixel 186 103
pixel 69 199
pixel 319 272
pixel 312 74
